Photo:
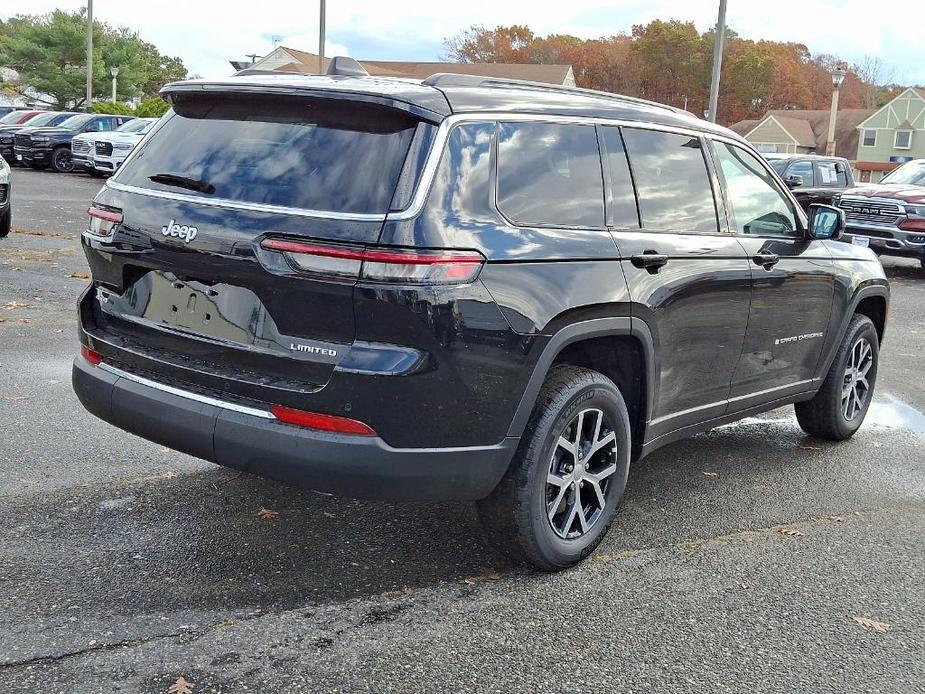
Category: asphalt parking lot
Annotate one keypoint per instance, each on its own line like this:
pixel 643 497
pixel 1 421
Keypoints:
pixel 751 558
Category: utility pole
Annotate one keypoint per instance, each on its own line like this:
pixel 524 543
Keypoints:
pixel 321 41
pixel 718 38
pixel 89 100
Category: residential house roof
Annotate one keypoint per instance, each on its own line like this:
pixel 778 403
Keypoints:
pixel 811 128
pixel 293 60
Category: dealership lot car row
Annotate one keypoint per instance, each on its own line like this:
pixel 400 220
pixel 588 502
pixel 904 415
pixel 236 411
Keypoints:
pixel 290 269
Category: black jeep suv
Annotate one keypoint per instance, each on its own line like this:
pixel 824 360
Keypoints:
pixel 462 288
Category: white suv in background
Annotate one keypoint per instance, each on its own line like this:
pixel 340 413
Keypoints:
pixel 105 152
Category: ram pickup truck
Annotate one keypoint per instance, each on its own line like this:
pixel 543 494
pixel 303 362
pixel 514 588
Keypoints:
pixel 889 216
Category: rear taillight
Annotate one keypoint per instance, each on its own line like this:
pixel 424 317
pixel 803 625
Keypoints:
pixel 323 422
pixel 103 222
pixel 94 358
pixel 380 265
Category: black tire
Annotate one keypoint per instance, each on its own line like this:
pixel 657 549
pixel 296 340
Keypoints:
pixel 828 415
pixel 5 222
pixel 61 160
pixel 516 516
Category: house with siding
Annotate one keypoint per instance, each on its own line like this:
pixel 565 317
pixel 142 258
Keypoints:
pixel 892 135
pixel 804 131
pixel 292 60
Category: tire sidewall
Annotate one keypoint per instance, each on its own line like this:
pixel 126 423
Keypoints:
pixel 605 397
pixel 863 328
pixel 54 161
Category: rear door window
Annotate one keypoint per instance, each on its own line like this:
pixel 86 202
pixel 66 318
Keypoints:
pixel 315 154
pixel 828 174
pixel 549 174
pixel 672 181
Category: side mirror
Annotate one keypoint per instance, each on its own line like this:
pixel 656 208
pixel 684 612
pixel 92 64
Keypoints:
pixel 793 181
pixel 825 222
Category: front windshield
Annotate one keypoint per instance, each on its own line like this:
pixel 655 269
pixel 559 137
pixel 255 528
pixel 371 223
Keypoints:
pixel 133 126
pixel 11 118
pixel 910 173
pixel 42 119
pixel 77 121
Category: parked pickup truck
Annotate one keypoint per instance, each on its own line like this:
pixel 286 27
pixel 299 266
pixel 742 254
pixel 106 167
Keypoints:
pixel 813 178
pixel 889 216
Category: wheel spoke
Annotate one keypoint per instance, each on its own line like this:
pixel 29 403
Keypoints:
pixel 599 444
pixel 596 486
pixel 580 512
pixel 554 506
pixel 558 481
pixel 603 474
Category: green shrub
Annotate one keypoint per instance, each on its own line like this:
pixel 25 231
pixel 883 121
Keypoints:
pixel 115 108
pixel 155 107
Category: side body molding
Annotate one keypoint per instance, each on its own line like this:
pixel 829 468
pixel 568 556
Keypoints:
pixel 586 330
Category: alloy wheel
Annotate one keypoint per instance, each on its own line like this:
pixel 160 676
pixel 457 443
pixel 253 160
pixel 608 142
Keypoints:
pixel 855 386
pixel 578 480
pixel 63 161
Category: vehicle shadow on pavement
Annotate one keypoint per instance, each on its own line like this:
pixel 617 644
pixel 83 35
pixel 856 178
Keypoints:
pixel 223 539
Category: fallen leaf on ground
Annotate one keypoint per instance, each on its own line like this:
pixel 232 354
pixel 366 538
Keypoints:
pixel 181 686
pixel 810 448
pixel 486 575
pixel 711 474
pixel 266 513
pixel 793 532
pixel 80 275
pixel 879 627
pixel 10 305
pixel 327 514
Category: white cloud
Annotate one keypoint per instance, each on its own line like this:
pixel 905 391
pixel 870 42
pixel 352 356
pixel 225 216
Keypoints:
pixel 207 33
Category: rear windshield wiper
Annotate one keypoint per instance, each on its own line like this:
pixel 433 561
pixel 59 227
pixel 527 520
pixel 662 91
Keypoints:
pixel 183 182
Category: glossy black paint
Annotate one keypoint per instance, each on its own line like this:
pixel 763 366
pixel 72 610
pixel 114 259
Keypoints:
pixel 459 366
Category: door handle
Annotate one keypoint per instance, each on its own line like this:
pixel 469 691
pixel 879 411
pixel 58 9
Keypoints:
pixel 766 260
pixel 650 260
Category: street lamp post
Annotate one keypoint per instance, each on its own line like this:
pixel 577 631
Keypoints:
pixel 321 39
pixel 89 99
pixel 115 73
pixel 838 76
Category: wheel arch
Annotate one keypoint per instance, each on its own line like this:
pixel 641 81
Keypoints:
pixel 871 300
pixel 621 348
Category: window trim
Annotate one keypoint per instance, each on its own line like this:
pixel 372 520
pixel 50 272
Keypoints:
pixel 775 180
pixel 864 132
pixel 608 180
pixel 496 162
pixel 896 137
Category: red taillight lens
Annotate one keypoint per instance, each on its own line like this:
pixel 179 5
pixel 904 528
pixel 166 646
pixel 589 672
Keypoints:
pixel 103 222
pixel 324 422
pixel 913 225
pixel 381 265
pixel 94 358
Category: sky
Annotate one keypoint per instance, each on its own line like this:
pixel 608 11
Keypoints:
pixel 208 33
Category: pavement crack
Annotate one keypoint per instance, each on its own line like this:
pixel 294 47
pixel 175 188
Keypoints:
pixel 128 643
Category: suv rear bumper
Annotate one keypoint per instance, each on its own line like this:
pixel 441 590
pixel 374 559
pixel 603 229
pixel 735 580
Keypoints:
pixel 353 466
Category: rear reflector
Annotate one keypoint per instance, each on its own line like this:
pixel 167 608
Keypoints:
pixel 323 422
pixel 381 265
pixel 103 222
pixel 94 358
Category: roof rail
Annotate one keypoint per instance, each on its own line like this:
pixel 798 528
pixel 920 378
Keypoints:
pixel 448 79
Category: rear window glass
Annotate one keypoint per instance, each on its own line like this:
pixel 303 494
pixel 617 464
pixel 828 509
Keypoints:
pixel 671 181
pixel 312 154
pixel 550 174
